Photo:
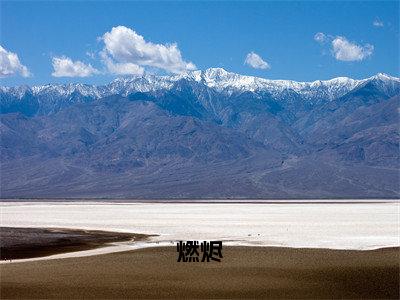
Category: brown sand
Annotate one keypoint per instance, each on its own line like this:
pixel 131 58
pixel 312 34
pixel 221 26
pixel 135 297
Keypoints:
pixel 244 272
pixel 16 242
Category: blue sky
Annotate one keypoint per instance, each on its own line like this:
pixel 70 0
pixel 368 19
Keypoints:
pixel 73 41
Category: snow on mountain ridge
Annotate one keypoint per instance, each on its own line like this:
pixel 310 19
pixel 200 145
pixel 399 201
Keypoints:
pixel 215 78
pixel 222 80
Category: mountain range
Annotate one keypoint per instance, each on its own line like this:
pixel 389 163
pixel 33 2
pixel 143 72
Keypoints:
pixel 202 134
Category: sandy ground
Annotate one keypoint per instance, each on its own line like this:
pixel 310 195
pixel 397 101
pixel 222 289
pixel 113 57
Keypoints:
pixel 308 270
pixel 262 272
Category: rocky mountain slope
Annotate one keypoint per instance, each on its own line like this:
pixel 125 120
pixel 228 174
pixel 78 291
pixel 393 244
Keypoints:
pixel 203 134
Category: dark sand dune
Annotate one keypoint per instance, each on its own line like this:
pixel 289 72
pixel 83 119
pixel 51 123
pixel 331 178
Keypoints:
pixel 17 243
pixel 244 272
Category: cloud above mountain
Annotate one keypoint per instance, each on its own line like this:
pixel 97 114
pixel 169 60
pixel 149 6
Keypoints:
pixel 320 37
pixel 342 49
pixel 127 52
pixel 10 64
pixel 255 61
pixel 120 68
pixel 64 67
pixel 377 23
pixel 345 50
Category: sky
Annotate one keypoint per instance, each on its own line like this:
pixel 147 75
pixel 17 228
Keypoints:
pixel 96 41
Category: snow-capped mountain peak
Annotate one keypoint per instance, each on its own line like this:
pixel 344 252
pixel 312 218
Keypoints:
pixel 216 73
pixel 384 77
pixel 214 78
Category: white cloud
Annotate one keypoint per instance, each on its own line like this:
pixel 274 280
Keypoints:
pixel 10 64
pixel 348 51
pixel 377 23
pixel 120 68
pixel 255 61
pixel 320 37
pixel 65 67
pixel 127 52
pixel 91 54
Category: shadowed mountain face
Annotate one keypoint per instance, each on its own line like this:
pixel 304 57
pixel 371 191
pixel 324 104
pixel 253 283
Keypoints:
pixel 202 135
